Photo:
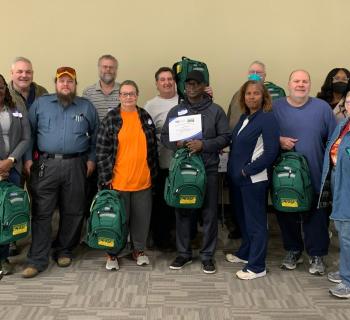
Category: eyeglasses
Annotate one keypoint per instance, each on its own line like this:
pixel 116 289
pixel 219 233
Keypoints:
pixel 339 79
pixel 126 94
pixel 256 72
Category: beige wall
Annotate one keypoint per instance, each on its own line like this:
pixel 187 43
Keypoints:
pixel 144 35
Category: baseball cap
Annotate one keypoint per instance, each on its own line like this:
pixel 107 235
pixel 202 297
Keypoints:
pixel 195 75
pixel 66 71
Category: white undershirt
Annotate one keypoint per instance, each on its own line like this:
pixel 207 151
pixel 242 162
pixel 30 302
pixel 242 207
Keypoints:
pixel 5 123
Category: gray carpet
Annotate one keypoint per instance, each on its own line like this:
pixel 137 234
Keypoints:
pixel 87 291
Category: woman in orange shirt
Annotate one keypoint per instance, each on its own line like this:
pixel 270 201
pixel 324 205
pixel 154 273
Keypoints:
pixel 126 155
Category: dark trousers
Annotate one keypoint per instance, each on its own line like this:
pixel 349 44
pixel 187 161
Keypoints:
pixel 210 223
pixel 63 184
pixel 91 190
pixel 15 178
pixel 231 220
pixel 163 216
pixel 314 224
pixel 250 207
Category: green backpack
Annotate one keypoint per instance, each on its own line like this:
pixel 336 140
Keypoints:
pixel 291 183
pixel 185 186
pixel 106 226
pixel 14 213
pixel 183 67
pixel 275 92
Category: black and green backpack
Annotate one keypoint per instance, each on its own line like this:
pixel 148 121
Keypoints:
pixel 183 67
pixel 106 226
pixel 14 213
pixel 185 186
pixel 291 183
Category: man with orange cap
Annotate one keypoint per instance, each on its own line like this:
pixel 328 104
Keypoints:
pixel 64 129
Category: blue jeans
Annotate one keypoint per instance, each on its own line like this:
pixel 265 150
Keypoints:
pixel 15 178
pixel 343 228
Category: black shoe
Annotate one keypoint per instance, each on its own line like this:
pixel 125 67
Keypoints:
pixel 235 234
pixel 13 251
pixel 180 262
pixel 208 266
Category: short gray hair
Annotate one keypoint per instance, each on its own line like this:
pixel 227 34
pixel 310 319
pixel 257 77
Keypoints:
pixel 20 59
pixel 259 63
pixel 108 57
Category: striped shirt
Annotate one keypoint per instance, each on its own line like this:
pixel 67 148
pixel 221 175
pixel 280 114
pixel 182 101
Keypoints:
pixel 102 102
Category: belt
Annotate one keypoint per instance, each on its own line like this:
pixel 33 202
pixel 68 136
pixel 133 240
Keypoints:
pixel 46 155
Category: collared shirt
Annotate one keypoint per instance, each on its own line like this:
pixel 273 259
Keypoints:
pixel 64 130
pixel 335 147
pixel 35 91
pixel 102 102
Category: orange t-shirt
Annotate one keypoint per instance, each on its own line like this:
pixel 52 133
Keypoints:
pixel 131 172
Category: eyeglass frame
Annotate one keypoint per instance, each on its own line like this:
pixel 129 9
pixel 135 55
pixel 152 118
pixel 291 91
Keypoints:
pixel 126 94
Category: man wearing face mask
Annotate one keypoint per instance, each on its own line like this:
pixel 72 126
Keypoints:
pixel 333 91
pixel 256 72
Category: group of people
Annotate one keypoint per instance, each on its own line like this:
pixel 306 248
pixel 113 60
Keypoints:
pixel 67 146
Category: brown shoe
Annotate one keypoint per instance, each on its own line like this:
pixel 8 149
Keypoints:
pixel 30 272
pixel 64 262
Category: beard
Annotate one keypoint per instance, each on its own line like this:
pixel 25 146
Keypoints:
pixel 66 99
pixel 107 78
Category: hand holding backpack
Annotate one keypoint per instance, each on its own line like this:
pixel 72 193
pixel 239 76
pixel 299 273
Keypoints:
pixel 106 226
pixel 14 213
pixel 181 70
pixel 291 183
pixel 186 184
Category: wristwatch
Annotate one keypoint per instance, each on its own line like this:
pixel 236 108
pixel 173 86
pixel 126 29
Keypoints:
pixel 12 159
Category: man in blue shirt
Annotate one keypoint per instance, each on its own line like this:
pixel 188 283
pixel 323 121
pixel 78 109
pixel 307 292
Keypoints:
pixel 306 124
pixel 64 129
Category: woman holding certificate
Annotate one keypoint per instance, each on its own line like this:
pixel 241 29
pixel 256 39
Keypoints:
pixel 254 147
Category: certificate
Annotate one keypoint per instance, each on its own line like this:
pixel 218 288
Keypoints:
pixel 185 128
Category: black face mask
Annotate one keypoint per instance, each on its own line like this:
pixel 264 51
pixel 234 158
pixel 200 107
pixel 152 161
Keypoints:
pixel 340 87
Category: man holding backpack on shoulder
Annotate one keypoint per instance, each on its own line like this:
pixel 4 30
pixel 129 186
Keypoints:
pixel 306 124
pixel 215 136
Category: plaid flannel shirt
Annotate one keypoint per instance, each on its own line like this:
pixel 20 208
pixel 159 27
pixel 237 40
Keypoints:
pixel 107 144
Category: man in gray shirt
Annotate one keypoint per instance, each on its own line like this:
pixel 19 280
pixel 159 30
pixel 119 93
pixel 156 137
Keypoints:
pixel 104 94
pixel 163 217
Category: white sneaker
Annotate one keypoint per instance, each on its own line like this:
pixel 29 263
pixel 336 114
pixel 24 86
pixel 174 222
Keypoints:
pixel 112 263
pixel 234 259
pixel 249 275
pixel 140 258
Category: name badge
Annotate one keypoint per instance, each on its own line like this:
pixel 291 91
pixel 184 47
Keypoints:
pixel 17 114
pixel 182 112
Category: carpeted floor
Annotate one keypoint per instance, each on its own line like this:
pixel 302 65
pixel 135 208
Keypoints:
pixel 87 291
